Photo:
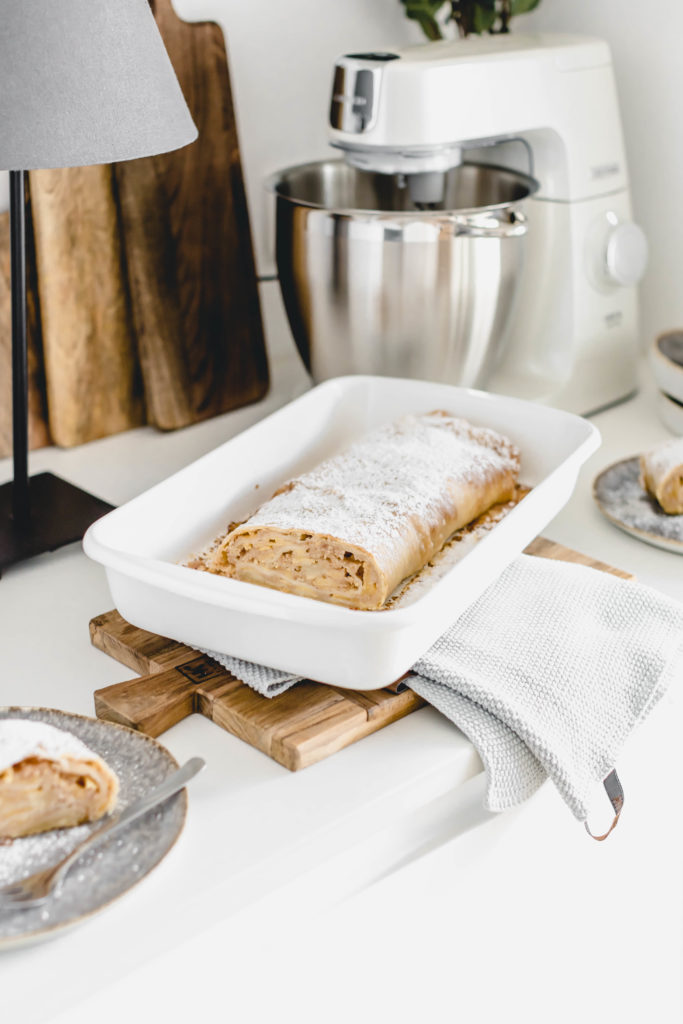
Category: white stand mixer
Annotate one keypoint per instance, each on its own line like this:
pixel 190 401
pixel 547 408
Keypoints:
pixel 546 105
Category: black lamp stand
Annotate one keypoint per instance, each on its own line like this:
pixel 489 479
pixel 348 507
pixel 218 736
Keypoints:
pixel 43 512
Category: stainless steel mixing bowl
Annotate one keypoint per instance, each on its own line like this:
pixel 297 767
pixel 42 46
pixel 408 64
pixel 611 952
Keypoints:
pixel 373 284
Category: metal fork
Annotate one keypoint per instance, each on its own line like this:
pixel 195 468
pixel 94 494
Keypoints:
pixel 35 889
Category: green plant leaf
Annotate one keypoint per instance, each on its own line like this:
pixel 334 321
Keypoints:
pixel 476 15
pixel 484 17
pixel 422 8
pixel 424 13
pixel 523 6
pixel 429 26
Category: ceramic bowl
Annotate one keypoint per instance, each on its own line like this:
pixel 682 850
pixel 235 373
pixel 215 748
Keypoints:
pixel 666 360
pixel 671 413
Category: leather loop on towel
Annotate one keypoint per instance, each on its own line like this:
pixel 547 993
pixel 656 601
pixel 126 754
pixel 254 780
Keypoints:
pixel 400 684
pixel 614 791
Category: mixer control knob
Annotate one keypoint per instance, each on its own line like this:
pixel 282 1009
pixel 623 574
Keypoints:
pixel 626 254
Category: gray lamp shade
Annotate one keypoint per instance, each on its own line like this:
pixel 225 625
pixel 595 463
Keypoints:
pixel 85 82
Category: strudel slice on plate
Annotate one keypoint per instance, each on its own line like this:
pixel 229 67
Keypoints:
pixel 661 472
pixel 351 529
pixel 49 779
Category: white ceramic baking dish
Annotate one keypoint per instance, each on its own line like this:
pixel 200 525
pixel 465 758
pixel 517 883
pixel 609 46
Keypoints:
pixel 142 543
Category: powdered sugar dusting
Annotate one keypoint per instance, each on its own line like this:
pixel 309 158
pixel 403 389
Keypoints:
pixel 395 474
pixel 22 737
pixel 663 459
pixel 453 551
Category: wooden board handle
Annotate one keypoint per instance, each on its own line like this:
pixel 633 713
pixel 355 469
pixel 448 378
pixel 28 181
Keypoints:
pixel 153 703
pixel 150 704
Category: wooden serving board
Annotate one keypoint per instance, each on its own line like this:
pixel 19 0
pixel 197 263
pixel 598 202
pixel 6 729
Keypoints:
pixel 94 386
pixel 188 248
pixel 299 727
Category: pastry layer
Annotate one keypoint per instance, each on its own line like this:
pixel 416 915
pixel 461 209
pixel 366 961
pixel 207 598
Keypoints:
pixel 49 779
pixel 349 531
pixel 661 473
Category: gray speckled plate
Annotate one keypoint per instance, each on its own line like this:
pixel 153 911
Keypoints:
pixel 110 868
pixel 620 497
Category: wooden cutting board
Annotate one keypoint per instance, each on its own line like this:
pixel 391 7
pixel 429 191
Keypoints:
pixel 94 385
pixel 188 248
pixel 301 726
pixel 38 432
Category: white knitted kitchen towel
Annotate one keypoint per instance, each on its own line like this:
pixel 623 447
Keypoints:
pixel 547 674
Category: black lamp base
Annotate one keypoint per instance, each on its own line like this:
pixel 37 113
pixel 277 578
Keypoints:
pixel 60 514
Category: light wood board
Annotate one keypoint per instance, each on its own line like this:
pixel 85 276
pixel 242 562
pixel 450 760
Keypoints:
pixel 94 386
pixel 299 727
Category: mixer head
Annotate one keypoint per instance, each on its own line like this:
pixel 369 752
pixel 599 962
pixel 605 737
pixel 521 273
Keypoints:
pixel 413 111
pixel 353 112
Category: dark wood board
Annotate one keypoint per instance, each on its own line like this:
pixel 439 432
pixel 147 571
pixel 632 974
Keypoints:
pixel 188 248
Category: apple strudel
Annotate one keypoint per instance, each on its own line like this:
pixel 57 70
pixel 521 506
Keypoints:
pixel 49 779
pixel 350 530
pixel 661 472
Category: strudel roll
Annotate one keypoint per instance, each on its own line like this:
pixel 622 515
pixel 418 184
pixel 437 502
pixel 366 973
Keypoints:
pixel 661 472
pixel 49 779
pixel 350 530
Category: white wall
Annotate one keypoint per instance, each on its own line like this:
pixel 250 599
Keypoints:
pixel 646 45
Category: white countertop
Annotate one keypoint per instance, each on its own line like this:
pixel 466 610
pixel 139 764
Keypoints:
pixel 261 844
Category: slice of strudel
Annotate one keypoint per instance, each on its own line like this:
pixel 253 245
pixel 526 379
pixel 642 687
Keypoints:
pixel 350 530
pixel 661 473
pixel 49 779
